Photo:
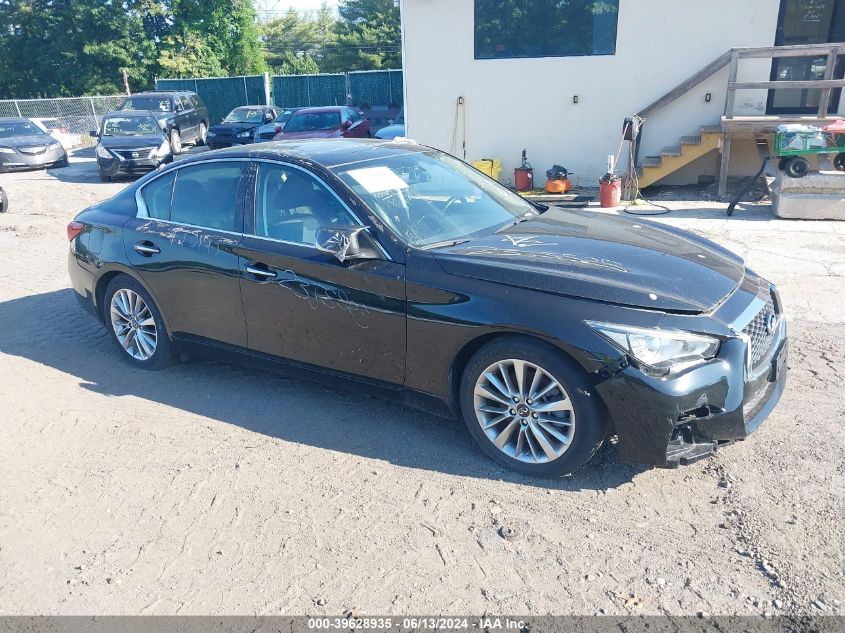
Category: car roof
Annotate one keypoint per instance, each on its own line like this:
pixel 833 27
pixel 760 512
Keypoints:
pixel 319 109
pixel 129 113
pixel 327 152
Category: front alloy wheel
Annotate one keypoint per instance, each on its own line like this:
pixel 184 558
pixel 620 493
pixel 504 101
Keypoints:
pixel 524 411
pixel 175 141
pixel 531 408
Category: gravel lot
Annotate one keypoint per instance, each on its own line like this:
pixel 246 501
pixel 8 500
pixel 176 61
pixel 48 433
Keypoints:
pixel 209 488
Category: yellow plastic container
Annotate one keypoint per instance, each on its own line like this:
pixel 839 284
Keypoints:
pixel 490 166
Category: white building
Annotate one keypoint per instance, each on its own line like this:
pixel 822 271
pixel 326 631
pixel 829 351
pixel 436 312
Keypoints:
pixel 487 78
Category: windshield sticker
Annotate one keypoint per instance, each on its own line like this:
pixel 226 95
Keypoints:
pixel 377 179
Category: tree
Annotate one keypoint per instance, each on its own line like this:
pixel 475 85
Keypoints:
pixel 367 37
pixel 295 34
pixel 293 64
pixel 69 48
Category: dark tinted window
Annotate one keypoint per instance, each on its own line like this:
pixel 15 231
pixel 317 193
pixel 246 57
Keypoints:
pixel 544 28
pixel 307 121
pixel 291 205
pixel 195 100
pixel 206 195
pixel 156 104
pixel 186 103
pixel 156 196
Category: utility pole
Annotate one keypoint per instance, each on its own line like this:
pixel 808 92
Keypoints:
pixel 126 81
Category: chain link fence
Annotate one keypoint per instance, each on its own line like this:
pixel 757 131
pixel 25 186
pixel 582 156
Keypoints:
pixel 77 115
pixel 378 89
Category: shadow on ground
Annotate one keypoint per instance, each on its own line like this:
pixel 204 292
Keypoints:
pixel 53 330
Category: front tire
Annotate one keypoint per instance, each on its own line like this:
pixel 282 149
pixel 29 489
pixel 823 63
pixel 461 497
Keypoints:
pixel 530 408
pixel 135 324
pixel 175 142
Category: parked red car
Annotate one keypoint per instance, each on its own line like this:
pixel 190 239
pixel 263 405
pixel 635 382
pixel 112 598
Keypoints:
pixel 328 122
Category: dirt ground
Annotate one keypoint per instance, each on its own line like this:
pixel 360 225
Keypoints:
pixel 209 488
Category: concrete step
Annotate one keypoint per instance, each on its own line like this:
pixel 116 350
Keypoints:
pixel 652 161
pixel 711 129
pixel 690 140
pixel 677 150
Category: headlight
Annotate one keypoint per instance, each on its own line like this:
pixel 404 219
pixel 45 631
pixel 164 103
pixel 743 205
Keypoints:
pixel 246 134
pixel 659 351
pixel 210 133
pixel 163 150
pixel 102 152
pixel 6 150
pixel 54 146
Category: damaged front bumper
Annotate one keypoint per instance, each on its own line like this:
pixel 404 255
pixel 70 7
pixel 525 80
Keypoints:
pixel 674 421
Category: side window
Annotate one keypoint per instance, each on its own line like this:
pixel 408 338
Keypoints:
pixel 291 205
pixel 195 101
pixel 207 195
pixel 346 115
pixel 353 114
pixel 157 196
pixel 186 103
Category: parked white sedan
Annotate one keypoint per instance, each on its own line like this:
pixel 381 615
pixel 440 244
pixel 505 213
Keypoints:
pixel 55 128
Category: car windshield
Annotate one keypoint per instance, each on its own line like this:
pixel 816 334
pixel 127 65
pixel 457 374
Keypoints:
pixel 130 126
pixel 308 121
pixel 160 104
pixel 430 198
pixel 245 115
pixel 8 129
pixel 284 116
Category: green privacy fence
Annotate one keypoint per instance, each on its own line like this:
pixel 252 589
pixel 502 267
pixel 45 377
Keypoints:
pixel 220 94
pixel 367 88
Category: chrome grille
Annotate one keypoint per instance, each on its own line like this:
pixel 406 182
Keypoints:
pixel 135 153
pixel 33 149
pixel 761 331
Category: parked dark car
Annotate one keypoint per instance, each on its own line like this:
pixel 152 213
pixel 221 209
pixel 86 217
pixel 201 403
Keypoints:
pixel 182 115
pixel 268 132
pixel 399 268
pixel 330 122
pixel 239 126
pixel 131 142
pixel 24 145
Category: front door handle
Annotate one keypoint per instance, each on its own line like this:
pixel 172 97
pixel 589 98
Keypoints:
pixel 260 271
pixel 146 248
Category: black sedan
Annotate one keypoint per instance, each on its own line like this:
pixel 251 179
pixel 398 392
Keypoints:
pixel 131 142
pixel 24 145
pixel 240 125
pixel 400 268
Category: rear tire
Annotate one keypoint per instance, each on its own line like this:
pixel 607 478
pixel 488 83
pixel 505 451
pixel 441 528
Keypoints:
pixel 797 167
pixel 550 432
pixel 203 134
pixel 839 161
pixel 135 324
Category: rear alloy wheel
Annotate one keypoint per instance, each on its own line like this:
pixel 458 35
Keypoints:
pixel 175 141
pixel 136 324
pixel 530 409
pixel 797 167
pixel 203 134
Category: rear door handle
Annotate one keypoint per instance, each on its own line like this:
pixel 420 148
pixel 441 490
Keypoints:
pixel 146 248
pixel 260 270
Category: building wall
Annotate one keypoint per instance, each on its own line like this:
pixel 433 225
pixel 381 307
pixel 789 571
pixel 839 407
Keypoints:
pixel 511 104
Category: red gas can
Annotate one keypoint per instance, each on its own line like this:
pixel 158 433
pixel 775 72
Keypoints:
pixel 523 178
pixel 610 192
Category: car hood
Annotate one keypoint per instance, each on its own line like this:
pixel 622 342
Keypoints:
pixel 604 258
pixel 232 128
pixel 289 136
pixel 27 141
pixel 147 140
pixel 391 131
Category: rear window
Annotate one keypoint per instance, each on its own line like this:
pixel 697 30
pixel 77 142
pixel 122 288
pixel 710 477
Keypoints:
pixel 156 104
pixel 157 195
pixel 313 121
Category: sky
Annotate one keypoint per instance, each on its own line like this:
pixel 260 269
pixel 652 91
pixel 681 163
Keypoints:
pixel 299 5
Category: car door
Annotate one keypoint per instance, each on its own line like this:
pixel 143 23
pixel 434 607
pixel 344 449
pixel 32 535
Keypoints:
pixel 184 244
pixel 358 127
pixel 307 306
pixel 191 117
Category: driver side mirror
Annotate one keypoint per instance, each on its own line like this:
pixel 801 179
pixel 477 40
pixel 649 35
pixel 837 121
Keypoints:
pixel 93 133
pixel 346 242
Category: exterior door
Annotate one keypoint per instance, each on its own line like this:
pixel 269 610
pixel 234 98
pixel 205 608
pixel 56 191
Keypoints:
pixel 806 22
pixel 304 305
pixel 184 245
